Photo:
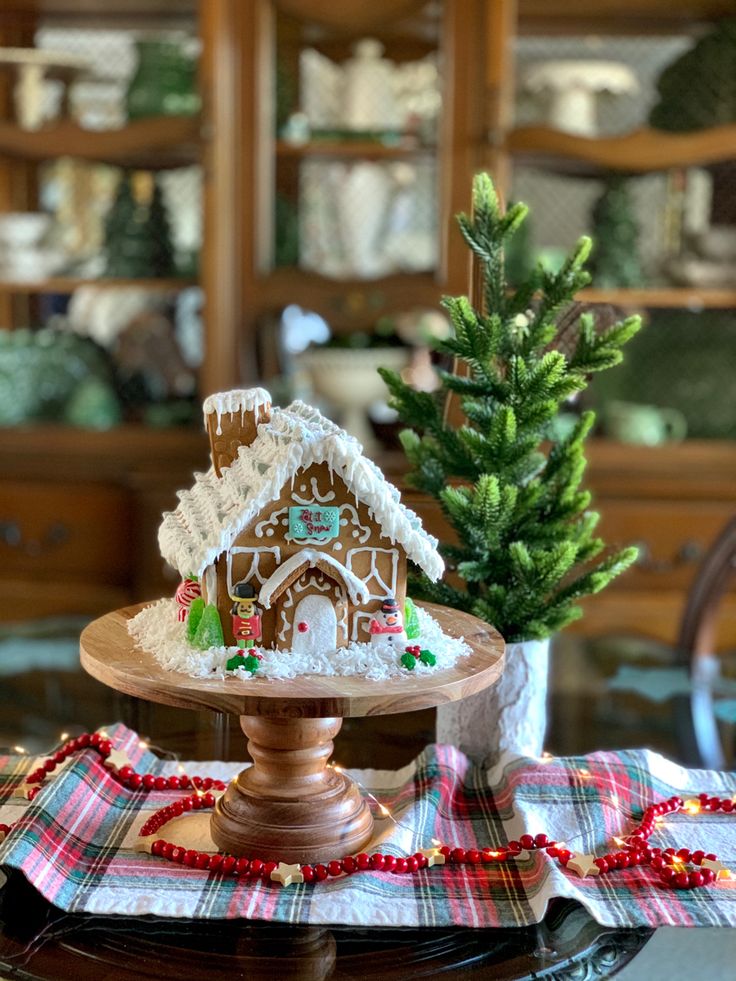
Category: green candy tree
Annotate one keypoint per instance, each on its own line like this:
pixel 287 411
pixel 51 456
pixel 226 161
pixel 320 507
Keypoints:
pixel 526 548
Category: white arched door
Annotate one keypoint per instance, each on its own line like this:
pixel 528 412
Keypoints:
pixel 315 625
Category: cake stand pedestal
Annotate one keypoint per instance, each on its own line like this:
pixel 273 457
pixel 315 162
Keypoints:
pixel 290 805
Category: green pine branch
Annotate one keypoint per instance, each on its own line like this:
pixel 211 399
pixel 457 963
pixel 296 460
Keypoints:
pixel 525 549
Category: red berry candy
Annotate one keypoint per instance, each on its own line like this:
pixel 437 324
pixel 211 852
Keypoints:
pixel 242 865
pixel 708 876
pixel 160 783
pixel 363 861
pixel 228 864
pixel 695 879
pixel 473 857
pixel 334 868
pixel 256 866
pixel 349 865
pixel 320 872
pixel 458 855
pixel 308 873
pixel 602 865
pixel 216 862
pixel 541 841
pixel 377 862
pixel 412 863
pixel 401 866
pixel 682 880
pixel 515 848
pixel 526 842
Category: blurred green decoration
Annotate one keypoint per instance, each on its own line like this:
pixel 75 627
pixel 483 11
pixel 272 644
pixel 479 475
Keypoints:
pixel 159 229
pixel 411 619
pixel 286 232
pixel 137 235
pixel 93 405
pixel 50 375
pixel 698 89
pixel 692 372
pixel 526 547
pixel 209 630
pixel 194 619
pixel 164 82
pixel 615 258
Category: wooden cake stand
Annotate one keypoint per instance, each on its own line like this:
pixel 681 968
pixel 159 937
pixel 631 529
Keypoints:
pixel 289 805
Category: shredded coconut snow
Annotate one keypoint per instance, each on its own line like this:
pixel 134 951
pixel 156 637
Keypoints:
pixel 157 630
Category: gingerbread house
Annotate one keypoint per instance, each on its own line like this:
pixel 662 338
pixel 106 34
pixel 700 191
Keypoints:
pixel 292 508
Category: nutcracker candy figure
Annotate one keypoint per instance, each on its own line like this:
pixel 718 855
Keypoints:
pixel 388 624
pixel 186 592
pixel 246 626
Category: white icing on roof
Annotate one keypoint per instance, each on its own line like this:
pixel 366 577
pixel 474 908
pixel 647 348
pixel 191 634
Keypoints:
pixel 357 589
pixel 215 510
pixel 240 400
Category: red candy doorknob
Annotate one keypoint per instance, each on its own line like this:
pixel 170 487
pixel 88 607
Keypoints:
pixel 302 627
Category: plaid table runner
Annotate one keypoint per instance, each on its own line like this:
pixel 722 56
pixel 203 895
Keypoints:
pixel 73 842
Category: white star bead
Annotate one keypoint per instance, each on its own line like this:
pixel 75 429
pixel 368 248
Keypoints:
pixel 720 870
pixel 286 874
pixel 434 857
pixel 583 864
pixel 117 759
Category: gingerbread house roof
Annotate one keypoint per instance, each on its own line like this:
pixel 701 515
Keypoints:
pixel 211 515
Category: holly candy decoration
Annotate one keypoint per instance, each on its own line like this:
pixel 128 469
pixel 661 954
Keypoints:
pixel 251 661
pixel 416 653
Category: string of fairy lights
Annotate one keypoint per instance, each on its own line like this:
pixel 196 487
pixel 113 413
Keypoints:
pixel 670 864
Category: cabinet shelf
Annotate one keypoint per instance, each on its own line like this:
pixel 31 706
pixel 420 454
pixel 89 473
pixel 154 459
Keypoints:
pixel 639 152
pixel 67 284
pixel 662 297
pixel 350 150
pixel 151 144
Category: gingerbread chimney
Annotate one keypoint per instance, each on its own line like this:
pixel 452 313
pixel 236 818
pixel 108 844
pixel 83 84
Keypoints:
pixel 232 420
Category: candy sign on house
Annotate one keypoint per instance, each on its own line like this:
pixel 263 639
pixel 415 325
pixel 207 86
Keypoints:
pixel 308 524
pixel 293 509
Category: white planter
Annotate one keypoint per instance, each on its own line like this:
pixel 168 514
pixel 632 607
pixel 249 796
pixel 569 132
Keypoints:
pixel 511 716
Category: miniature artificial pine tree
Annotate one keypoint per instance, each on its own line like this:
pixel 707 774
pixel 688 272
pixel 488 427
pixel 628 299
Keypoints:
pixel 525 535
pixel 615 258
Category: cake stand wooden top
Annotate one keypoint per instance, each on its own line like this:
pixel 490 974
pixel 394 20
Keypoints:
pixel 109 655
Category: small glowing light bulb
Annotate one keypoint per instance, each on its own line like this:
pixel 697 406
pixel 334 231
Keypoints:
pixel 63 737
pixel 142 744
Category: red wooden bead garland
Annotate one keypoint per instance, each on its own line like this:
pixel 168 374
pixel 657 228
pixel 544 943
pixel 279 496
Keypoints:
pixel 667 864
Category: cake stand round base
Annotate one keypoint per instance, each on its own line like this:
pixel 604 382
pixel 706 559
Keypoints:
pixel 290 805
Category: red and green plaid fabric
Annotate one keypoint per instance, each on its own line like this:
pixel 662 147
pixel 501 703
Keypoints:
pixel 73 843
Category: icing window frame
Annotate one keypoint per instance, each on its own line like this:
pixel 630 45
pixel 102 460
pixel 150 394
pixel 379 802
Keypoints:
pixel 254 571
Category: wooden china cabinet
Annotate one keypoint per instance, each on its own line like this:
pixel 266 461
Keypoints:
pixel 78 511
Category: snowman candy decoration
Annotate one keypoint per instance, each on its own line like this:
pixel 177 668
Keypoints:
pixel 387 626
